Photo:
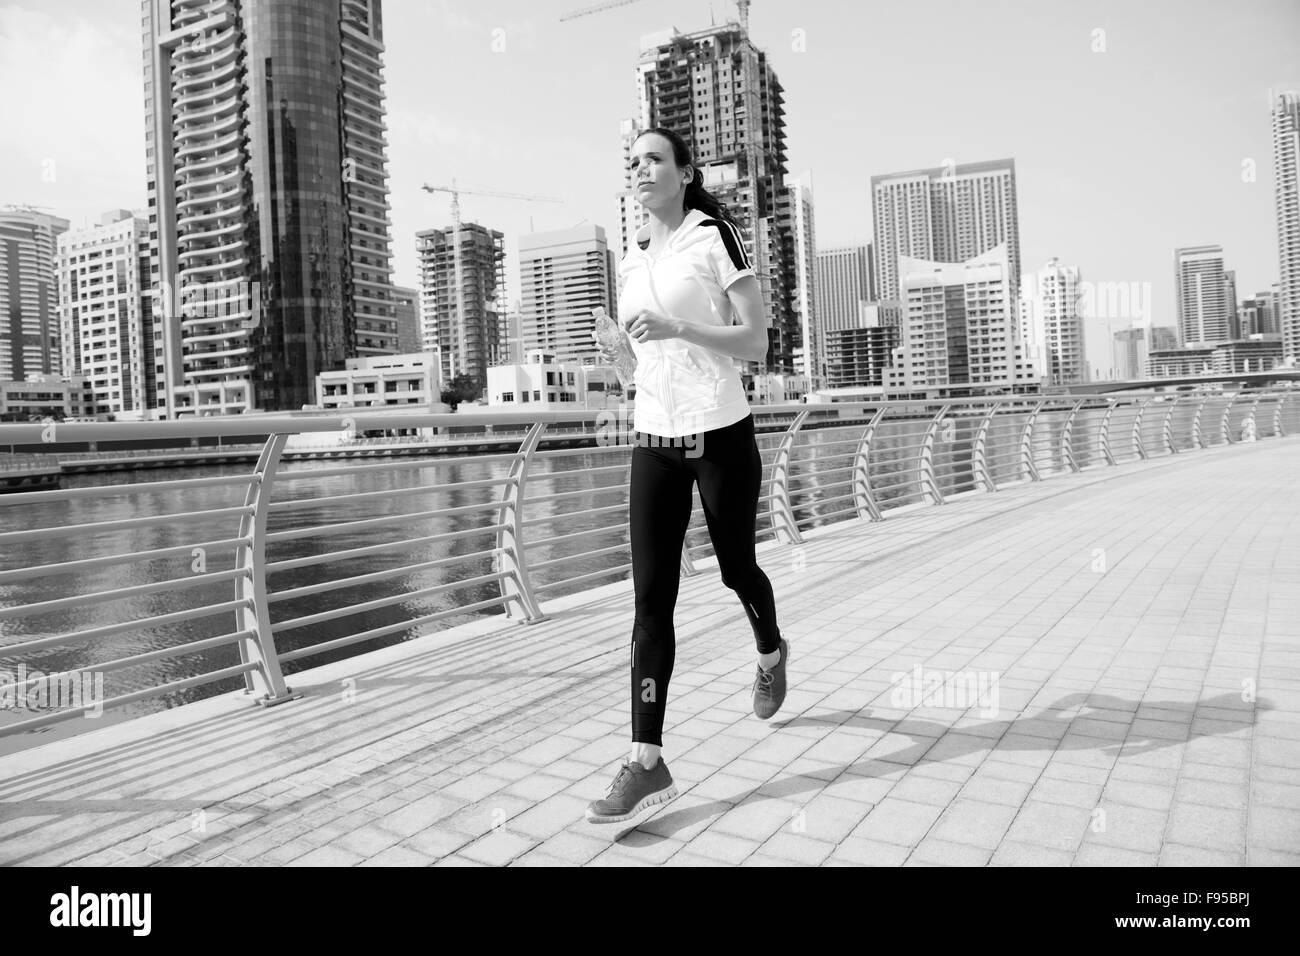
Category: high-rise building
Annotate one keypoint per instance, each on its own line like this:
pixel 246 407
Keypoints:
pixel 1162 338
pixel 267 182
pixel 631 214
pixel 1230 302
pixel 859 355
pixel 958 328
pixel 1031 335
pixel 1286 200
pixel 1201 295
pixel 29 328
pixel 844 283
pixel 563 275
pixel 1257 315
pixel 461 319
pixel 811 347
pixel 952 213
pixel 719 92
pixel 511 334
pixel 106 313
pixel 1130 354
pixel 1050 326
pixel 407 302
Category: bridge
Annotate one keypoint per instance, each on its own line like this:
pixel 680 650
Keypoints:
pixel 1231 381
pixel 1045 631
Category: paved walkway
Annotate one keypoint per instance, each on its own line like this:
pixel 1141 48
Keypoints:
pixel 1142 623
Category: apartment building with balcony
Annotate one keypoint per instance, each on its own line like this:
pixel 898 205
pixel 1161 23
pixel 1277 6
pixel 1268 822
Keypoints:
pixel 267 184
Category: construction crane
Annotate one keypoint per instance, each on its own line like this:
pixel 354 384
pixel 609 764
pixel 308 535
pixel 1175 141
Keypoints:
pixel 455 242
pixel 596 9
pixel 742 5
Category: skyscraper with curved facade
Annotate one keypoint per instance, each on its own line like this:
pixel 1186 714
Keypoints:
pixel 268 209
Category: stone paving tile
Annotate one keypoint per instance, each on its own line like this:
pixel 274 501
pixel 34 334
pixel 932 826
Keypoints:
pixel 796 848
pixel 1050 826
pixel 898 821
pixel 937 852
pixel 973 823
pixel 1207 827
pixel 1127 827
pixel 863 852
pixel 328 856
pixel 1098 854
pixel 721 847
pixel 498 847
pixel 1174 854
pixel 650 847
pixel 1013 853
pixel 398 856
pixel 457 860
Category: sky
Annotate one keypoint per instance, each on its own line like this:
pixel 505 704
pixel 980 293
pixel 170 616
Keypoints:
pixel 1136 126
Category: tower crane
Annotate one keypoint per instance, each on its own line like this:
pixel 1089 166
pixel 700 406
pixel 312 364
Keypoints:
pixel 742 6
pixel 460 281
pixel 574 14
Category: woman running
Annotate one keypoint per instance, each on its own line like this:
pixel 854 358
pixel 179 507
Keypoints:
pixel 690 303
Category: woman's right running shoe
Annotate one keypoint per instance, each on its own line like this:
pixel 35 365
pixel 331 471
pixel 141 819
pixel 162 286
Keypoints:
pixel 634 788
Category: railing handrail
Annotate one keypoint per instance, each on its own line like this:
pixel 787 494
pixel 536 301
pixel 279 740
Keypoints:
pixel 219 426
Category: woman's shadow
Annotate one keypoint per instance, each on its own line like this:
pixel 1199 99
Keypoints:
pixel 1232 714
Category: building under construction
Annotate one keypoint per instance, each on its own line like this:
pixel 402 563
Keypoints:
pixel 466 327
pixel 717 91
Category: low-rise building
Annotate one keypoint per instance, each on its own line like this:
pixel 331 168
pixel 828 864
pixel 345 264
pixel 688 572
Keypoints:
pixel 382 380
pixel 776 388
pixel 47 396
pixel 538 381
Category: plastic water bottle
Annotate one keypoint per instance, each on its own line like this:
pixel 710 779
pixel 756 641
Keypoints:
pixel 613 337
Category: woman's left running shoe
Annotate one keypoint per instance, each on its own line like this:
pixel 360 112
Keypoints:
pixel 634 788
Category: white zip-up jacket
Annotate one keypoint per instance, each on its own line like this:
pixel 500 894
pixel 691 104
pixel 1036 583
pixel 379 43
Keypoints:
pixel 683 388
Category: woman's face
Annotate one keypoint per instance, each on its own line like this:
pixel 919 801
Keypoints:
pixel 657 180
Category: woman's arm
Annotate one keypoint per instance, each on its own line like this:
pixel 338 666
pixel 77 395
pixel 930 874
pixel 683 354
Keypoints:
pixel 746 340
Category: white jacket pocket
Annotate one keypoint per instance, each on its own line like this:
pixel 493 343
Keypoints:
pixel 699 381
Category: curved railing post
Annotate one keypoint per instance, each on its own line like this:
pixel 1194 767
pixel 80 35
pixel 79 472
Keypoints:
pixel 1167 427
pixel 688 565
pixel 250 587
pixel 1103 436
pixel 979 459
pixel 1198 440
pixel 863 498
pixel 1277 415
pixel 1027 443
pixel 516 587
pixel 1250 419
pixel 1223 422
pixel 925 460
pixel 1137 430
pixel 1067 448
pixel 779 504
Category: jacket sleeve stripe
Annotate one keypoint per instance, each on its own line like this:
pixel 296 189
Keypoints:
pixel 734 244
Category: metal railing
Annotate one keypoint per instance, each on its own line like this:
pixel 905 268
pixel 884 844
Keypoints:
pixel 520 542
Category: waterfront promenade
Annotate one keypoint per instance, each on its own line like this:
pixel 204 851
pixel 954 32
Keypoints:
pixel 1142 623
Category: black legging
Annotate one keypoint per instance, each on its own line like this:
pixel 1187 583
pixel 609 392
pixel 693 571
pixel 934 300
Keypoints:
pixel 726 464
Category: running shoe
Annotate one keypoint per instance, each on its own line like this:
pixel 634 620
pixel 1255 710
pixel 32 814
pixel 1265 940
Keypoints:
pixel 634 788
pixel 769 686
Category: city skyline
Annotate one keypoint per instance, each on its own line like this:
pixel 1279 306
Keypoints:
pixel 1103 181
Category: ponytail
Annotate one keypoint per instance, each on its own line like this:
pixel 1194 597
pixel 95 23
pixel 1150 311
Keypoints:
pixel 697 197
